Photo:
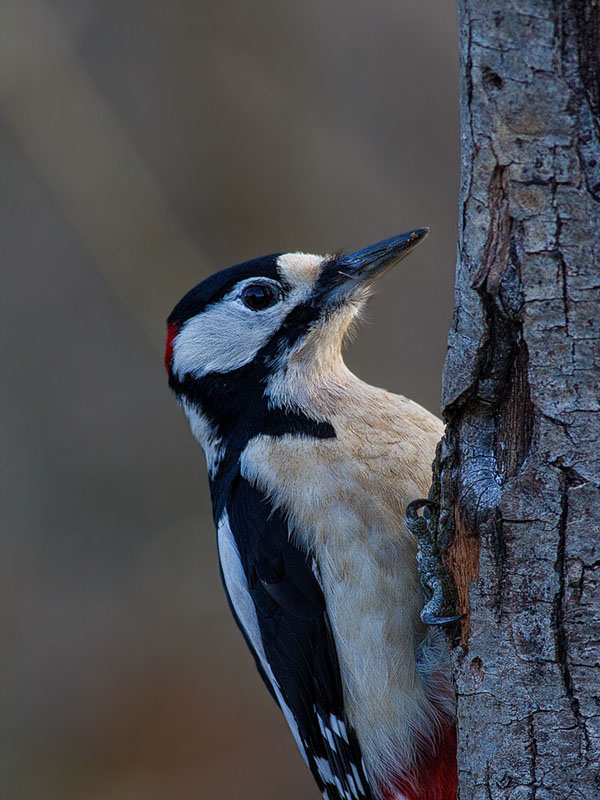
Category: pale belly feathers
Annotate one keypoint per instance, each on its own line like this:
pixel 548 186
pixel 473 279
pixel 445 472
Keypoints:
pixel 346 499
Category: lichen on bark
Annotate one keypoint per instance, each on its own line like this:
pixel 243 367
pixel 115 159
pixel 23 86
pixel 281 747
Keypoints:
pixel 518 473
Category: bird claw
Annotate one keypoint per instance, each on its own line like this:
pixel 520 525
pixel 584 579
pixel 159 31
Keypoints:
pixel 432 619
pixel 438 610
pixel 413 508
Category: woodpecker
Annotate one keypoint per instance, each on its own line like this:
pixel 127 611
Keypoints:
pixel 310 473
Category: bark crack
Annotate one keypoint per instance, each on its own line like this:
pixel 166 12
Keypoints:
pixel 561 637
pixel 498 551
pixel 533 752
pixel 580 47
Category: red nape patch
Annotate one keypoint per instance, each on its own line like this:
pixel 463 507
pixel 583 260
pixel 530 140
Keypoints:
pixel 437 777
pixel 172 329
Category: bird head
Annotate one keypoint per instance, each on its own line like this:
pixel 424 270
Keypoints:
pixel 257 347
pixel 273 311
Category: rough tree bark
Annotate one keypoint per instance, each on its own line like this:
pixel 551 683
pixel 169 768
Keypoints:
pixel 518 472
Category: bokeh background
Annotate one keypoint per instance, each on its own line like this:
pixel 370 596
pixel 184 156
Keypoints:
pixel 146 144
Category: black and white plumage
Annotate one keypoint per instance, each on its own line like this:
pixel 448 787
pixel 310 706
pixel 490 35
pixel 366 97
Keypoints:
pixel 278 603
pixel 310 471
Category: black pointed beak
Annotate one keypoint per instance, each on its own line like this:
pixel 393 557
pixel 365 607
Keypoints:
pixel 342 276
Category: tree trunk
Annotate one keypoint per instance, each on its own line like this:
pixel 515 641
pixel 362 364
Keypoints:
pixel 518 472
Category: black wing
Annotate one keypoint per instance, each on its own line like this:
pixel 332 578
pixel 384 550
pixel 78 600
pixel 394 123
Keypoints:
pixel 279 606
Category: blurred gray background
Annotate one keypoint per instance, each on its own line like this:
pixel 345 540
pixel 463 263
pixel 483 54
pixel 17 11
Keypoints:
pixel 146 144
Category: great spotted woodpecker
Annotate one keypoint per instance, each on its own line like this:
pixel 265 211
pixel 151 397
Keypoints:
pixel 310 474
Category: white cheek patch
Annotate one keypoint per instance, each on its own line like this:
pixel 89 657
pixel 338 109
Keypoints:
pixel 224 337
pixel 228 335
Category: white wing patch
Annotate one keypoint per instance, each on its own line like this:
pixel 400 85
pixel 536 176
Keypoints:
pixel 237 587
pixel 326 733
pixel 338 726
pixel 357 779
pixel 325 770
pixel 327 776
pixel 355 789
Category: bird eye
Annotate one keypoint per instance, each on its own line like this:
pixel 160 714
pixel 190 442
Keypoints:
pixel 258 296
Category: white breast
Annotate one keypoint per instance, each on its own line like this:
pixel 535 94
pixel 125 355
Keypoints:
pixel 345 498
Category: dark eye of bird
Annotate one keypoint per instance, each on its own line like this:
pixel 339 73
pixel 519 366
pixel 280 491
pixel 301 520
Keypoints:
pixel 258 296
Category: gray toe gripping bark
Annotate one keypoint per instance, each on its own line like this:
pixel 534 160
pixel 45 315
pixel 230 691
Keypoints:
pixel 440 596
